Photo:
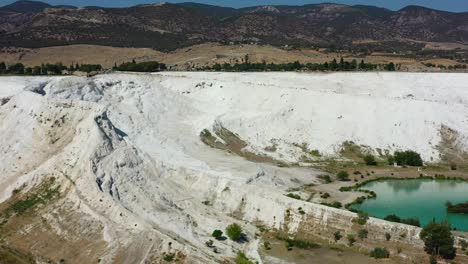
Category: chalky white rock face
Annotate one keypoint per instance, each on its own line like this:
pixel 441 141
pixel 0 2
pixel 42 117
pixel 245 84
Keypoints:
pixel 128 145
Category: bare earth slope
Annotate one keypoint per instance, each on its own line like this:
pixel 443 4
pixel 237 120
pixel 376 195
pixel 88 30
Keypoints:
pixel 136 183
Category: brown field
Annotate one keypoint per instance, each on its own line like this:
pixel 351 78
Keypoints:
pixel 445 46
pixel 444 62
pixel 196 56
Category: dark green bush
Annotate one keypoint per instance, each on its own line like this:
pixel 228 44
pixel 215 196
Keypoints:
pixel 217 234
pixel 379 253
pixel 294 196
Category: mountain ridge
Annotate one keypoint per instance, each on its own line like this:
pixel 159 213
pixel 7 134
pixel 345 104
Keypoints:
pixel 170 26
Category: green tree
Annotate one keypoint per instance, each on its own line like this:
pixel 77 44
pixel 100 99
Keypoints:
pixel 361 218
pixel 28 71
pixel 362 234
pixel 351 239
pixel 408 157
pixel 297 65
pixel 463 244
pixel 341 66
pixel 388 236
pixel 337 236
pixel 353 64
pixel 370 160
pixel 333 65
pixel 241 258
pixel 390 67
pixel 17 68
pixel 362 65
pixel 36 70
pixel 438 240
pixel 234 232
pixel 343 176
pixel 43 69
pixel 217 67
pixel 2 67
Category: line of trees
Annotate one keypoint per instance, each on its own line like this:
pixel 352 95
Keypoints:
pixel 147 66
pixel 333 65
pixel 47 69
pixel 59 68
pixel 450 67
pixel 154 66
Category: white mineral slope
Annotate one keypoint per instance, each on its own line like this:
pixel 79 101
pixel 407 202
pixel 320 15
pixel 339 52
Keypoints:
pixel 128 146
pixel 381 110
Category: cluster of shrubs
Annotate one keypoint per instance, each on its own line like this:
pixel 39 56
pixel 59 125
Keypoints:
pixel 333 65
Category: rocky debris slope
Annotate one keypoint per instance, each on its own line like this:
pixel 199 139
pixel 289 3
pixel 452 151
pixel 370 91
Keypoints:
pixel 126 150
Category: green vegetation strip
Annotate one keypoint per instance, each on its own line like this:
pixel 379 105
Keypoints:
pixel 21 205
pixel 333 65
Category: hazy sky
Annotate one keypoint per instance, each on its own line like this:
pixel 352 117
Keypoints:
pixel 449 5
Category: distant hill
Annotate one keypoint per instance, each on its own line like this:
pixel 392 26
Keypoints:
pixel 26 7
pixel 170 26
